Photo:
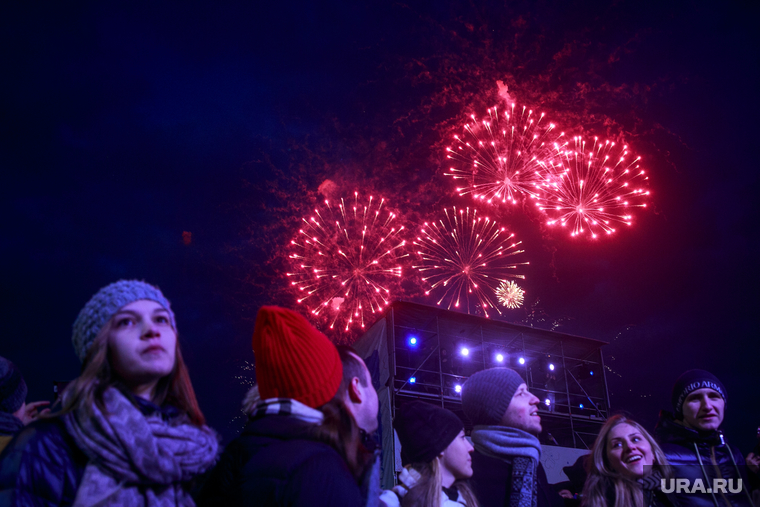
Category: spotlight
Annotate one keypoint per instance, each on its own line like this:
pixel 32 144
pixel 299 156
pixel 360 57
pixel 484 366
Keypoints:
pixel 548 402
pixel 521 360
pixel 500 358
pixel 464 351
pixel 413 341
pixel 458 388
pixel 551 366
pixel 580 406
pixel 412 380
pixel 591 373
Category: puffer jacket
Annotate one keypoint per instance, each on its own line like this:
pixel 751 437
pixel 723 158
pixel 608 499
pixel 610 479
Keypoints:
pixel 690 454
pixel 274 462
pixel 43 466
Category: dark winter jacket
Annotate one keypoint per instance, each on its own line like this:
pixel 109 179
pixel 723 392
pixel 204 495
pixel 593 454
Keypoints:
pixel 43 466
pixel 275 462
pixel 653 495
pixel 689 453
pixel 492 482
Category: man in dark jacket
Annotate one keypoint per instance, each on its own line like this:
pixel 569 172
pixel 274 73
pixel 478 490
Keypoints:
pixel 506 467
pixel 296 449
pixel 695 446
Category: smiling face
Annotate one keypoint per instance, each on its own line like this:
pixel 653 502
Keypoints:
pixel 142 345
pixel 628 451
pixel 703 409
pixel 522 412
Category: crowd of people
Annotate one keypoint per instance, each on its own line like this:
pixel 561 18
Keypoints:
pixel 129 431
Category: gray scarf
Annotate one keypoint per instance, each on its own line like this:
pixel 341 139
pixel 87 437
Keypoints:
pixel 138 460
pixel 519 448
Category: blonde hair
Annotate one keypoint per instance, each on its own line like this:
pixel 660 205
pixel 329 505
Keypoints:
pixel 428 490
pixel 602 477
pixel 97 376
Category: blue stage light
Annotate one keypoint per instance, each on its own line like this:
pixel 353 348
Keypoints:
pixel 464 351
pixel 412 380
pixel 500 358
pixel 521 360
pixel 551 366
pixel 458 388
pixel 413 341
pixel 580 406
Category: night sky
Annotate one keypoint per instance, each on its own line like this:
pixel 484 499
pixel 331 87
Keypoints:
pixel 182 143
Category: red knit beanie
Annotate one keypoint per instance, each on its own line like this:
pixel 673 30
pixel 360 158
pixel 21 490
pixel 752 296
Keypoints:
pixel 294 360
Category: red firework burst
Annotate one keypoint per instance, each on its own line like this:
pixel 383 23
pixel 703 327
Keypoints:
pixel 594 188
pixel 345 261
pixel 464 257
pixel 504 157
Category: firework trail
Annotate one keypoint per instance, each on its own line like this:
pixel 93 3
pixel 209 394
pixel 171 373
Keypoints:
pixel 510 295
pixel 594 188
pixel 465 256
pixel 345 261
pixel 505 156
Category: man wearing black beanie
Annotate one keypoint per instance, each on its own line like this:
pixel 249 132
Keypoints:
pixel 694 445
pixel 506 465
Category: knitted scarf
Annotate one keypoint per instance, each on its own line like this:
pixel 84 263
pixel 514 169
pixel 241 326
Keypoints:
pixel 286 407
pixel 136 459
pixel 519 448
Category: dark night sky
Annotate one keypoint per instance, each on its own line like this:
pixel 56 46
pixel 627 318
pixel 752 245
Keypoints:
pixel 125 126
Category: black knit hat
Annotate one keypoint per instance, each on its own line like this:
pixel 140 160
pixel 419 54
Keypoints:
pixel 425 431
pixel 689 382
pixel 487 394
pixel 12 387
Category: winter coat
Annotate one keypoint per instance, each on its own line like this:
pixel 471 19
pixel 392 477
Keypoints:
pixel 407 479
pixel 492 482
pixel 653 497
pixel 689 453
pixel 43 466
pixel 275 462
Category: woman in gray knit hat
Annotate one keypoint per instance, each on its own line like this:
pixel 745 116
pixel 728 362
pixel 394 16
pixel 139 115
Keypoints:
pixel 130 431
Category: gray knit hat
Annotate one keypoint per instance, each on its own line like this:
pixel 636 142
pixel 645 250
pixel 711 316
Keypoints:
pixel 105 304
pixel 12 387
pixel 487 394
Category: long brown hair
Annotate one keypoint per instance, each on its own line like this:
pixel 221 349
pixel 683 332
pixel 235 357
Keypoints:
pixel 98 375
pixel 428 490
pixel 602 476
pixel 340 431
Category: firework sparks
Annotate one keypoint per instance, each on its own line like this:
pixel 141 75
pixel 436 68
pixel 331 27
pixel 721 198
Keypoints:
pixel 465 256
pixel 510 294
pixel 345 260
pixel 504 157
pixel 594 188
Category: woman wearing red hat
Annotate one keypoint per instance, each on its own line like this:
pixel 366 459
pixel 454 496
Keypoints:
pixel 301 447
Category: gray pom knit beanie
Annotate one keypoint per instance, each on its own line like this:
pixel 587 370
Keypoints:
pixel 487 394
pixel 105 304
pixel 12 387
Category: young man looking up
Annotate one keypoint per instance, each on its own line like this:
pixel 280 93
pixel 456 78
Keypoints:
pixel 506 467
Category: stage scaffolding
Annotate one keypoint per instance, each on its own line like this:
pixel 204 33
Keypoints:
pixel 416 352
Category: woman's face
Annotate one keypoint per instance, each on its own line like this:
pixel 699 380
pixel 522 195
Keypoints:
pixel 142 345
pixel 628 451
pixel 456 457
